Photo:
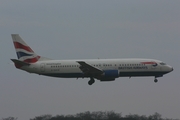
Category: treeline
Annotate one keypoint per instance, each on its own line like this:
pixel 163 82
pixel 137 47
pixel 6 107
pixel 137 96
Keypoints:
pixel 107 115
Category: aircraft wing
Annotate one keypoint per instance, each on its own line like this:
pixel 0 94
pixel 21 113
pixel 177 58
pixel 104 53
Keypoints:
pixel 89 69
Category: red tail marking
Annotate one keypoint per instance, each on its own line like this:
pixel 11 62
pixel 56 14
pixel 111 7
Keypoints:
pixel 32 60
pixel 21 46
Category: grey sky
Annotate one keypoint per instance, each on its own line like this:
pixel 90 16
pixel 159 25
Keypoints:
pixel 69 29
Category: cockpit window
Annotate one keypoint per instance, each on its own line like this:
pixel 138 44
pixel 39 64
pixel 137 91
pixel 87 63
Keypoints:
pixel 162 63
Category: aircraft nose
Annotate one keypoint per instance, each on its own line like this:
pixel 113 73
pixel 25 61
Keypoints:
pixel 171 68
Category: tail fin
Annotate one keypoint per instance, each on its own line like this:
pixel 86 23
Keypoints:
pixel 23 51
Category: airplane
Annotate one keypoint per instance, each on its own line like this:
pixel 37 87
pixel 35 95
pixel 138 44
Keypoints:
pixel 100 69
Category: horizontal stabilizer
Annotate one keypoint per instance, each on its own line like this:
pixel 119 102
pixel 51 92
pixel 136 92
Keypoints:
pixel 20 63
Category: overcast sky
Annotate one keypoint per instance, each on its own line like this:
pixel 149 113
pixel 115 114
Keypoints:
pixel 79 29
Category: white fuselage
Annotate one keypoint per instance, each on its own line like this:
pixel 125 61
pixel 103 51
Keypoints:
pixel 101 69
pixel 125 67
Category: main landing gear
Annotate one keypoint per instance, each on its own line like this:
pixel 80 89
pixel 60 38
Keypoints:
pixel 155 80
pixel 91 81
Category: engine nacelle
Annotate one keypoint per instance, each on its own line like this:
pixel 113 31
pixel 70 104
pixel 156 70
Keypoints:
pixel 107 79
pixel 111 74
pixel 108 75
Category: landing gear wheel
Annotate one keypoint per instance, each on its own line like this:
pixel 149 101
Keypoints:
pixel 91 81
pixel 155 80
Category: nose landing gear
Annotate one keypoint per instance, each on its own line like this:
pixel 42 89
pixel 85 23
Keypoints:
pixel 155 79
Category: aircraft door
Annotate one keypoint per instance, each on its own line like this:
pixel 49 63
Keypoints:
pixel 155 66
pixel 42 67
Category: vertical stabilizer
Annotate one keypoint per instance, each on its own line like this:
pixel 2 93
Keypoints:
pixel 23 51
